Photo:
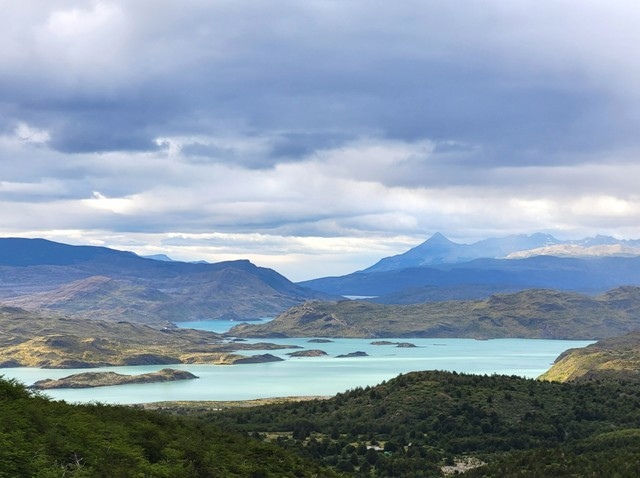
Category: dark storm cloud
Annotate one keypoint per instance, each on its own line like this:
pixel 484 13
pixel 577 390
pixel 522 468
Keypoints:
pixel 300 145
pixel 282 67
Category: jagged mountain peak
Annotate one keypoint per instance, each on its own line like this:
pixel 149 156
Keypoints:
pixel 159 257
pixel 438 238
pixel 599 240
pixel 438 241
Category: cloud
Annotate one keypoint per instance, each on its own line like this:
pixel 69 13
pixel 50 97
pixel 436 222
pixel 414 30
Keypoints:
pixel 312 122
pixel 117 75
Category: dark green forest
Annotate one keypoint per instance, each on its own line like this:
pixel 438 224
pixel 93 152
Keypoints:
pixel 46 439
pixel 421 421
pixel 410 426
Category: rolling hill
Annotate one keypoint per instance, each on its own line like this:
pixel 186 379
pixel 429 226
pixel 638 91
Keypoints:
pixel 528 314
pixel 104 283
pixel 492 426
pixel 612 358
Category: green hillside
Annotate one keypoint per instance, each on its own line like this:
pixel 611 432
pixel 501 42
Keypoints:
pixel 47 439
pixel 536 313
pixel 418 423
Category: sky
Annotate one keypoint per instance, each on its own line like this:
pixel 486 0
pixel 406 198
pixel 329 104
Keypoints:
pixel 317 137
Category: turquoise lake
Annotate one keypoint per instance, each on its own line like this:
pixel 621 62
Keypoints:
pixel 325 375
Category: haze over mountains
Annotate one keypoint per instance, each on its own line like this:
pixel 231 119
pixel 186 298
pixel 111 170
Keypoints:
pixel 440 269
pixel 97 282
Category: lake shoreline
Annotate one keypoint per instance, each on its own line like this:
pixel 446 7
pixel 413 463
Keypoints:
pixel 318 376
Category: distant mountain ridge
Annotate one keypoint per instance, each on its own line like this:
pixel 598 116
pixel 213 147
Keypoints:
pixel 577 250
pixel 481 277
pixel 159 257
pixel 99 282
pixel 440 269
pixel 166 258
pixel 440 250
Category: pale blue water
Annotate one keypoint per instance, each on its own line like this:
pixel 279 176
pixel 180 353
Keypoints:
pixel 220 326
pixel 318 375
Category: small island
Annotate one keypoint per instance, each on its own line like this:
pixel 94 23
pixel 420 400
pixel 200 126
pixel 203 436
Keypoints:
pixel 261 358
pixel 106 379
pixel 397 344
pixel 308 353
pixel 319 341
pixel 353 354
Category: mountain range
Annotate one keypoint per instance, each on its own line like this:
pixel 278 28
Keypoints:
pixel 440 250
pixel 102 283
pixel 97 282
pixel 440 269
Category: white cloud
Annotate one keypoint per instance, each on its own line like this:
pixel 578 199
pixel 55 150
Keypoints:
pixel 28 134
pixel 125 205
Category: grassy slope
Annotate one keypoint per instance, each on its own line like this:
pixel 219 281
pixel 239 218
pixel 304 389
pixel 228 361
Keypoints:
pixel 612 358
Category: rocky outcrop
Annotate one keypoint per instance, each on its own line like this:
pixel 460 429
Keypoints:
pixel 308 353
pixel 403 345
pixel 353 354
pixel 262 358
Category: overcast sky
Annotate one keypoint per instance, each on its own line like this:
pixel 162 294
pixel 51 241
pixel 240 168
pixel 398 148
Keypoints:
pixel 316 137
